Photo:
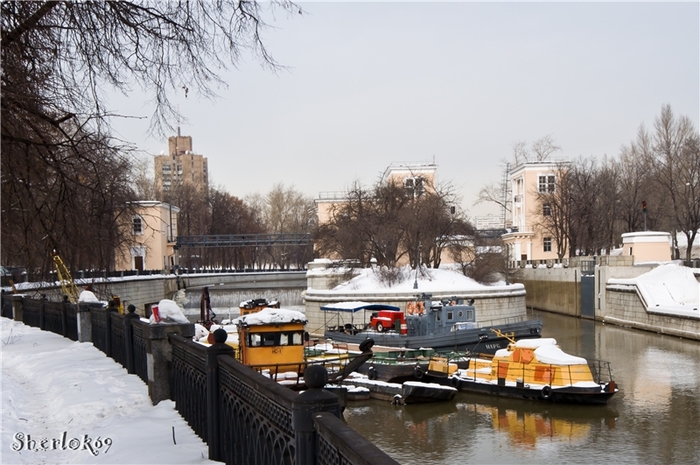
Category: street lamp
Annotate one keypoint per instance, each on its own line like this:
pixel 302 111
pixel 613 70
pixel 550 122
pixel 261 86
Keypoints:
pixel 415 283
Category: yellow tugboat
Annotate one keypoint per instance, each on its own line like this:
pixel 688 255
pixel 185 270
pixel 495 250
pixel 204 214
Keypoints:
pixel 272 341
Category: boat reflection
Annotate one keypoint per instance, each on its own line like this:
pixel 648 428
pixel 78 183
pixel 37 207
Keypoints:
pixel 526 423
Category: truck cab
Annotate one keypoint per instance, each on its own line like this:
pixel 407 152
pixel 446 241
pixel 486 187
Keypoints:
pixel 385 320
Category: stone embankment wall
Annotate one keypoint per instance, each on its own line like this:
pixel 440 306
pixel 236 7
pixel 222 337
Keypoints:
pixel 557 289
pixel 143 292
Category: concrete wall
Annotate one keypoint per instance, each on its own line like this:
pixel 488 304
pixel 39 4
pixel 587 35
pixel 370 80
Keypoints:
pixel 145 291
pixel 552 289
pixel 557 289
pixel 625 308
pixel 492 303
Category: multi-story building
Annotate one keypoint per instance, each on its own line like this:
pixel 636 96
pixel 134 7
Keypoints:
pixel 528 239
pixel 181 166
pixel 154 234
pixel 416 177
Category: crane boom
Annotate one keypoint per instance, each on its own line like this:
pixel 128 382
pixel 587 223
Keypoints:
pixel 64 277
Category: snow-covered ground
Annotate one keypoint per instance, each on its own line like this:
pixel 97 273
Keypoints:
pixel 67 402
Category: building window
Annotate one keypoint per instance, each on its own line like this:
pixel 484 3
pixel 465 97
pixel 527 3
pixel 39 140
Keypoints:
pixel 547 244
pixel 547 210
pixel 546 183
pixel 137 225
pixel 414 186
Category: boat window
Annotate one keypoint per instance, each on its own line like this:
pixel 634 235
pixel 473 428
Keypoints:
pixel 450 316
pixel 284 339
pixel 297 339
pixel 270 339
pixel 460 314
pixel 254 340
pixel 470 315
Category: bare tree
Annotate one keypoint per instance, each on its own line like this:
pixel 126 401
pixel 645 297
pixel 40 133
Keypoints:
pixel 59 59
pixel 676 162
pixel 390 223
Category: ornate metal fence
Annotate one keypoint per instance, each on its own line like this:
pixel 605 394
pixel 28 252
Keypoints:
pixel 98 319
pixel 189 383
pixel 117 339
pixel 32 312
pixel 245 418
pixel 255 417
pixel 140 356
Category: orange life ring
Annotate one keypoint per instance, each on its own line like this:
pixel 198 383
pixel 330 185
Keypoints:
pixel 420 308
pixel 411 308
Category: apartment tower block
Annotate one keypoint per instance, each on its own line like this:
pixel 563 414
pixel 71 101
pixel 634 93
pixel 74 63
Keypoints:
pixel 181 166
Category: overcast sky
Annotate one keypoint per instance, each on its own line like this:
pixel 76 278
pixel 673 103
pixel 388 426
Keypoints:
pixel 458 83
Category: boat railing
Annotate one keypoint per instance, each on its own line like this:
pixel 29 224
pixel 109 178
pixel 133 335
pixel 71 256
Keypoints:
pixel 291 373
pixel 601 371
pixel 546 373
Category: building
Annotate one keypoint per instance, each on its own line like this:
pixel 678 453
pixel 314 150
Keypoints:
pixel 528 239
pixel 154 233
pixel 414 176
pixel 181 166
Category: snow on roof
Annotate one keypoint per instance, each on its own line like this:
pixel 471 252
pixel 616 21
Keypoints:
pixel 270 316
pixel 546 351
pixel 535 343
pixel 553 355
pixel 356 305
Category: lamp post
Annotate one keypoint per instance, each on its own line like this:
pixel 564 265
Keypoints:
pixel 415 283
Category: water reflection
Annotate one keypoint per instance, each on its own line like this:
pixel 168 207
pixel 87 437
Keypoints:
pixel 654 419
pixel 527 423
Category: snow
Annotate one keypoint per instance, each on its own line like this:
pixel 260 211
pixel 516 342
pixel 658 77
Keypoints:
pixel 668 288
pixel 546 351
pixel 170 312
pixel 269 315
pixel 88 296
pixel 430 280
pixel 85 406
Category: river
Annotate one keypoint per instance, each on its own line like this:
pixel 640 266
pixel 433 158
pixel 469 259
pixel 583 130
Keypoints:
pixel 654 419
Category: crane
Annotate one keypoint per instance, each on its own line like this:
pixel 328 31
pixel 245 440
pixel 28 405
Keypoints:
pixel 64 277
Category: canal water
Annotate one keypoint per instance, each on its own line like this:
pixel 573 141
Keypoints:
pixel 654 419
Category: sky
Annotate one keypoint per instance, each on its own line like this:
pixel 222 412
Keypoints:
pixel 456 83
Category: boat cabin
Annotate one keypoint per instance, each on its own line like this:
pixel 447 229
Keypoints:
pixel 272 338
pixel 441 317
pixel 255 305
pixel 539 362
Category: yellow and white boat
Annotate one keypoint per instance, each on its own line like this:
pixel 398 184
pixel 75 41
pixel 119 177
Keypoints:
pixel 538 369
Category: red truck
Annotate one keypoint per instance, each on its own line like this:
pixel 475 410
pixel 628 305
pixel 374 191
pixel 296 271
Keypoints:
pixel 389 319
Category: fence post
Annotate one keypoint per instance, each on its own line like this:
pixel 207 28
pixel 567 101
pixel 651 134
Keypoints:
pixel 17 307
pixel 159 356
pixel 213 430
pixel 129 338
pixel 84 322
pixel 315 399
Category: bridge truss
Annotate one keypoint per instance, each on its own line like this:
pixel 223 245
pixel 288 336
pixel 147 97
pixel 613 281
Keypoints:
pixel 244 240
